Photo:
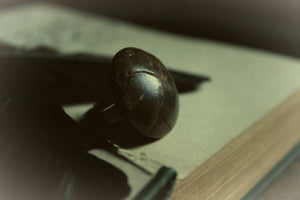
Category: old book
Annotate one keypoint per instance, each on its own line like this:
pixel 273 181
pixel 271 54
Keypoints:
pixel 230 132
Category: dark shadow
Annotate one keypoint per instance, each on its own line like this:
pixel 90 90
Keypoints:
pixel 186 82
pixel 43 151
pixel 55 79
pixel 67 80
pixel 79 78
pixel 121 132
pixel 41 157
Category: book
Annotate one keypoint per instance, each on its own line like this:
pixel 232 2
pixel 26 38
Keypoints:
pixel 230 132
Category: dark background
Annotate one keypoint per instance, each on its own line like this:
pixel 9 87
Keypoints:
pixel 272 25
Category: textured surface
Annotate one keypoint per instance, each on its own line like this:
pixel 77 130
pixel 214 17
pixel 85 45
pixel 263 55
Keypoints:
pixel 245 84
